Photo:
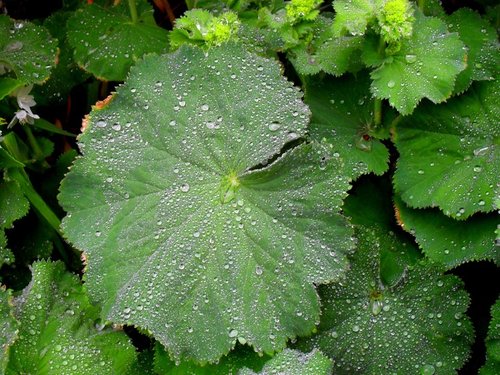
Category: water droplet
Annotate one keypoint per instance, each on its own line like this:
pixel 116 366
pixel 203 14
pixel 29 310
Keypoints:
pixel 185 188
pixel 116 127
pixel 258 270
pixel 410 59
pixel 427 370
pixel 233 333
pixel 477 168
pixel 391 84
pixel 173 123
pixel 205 107
pixel 101 123
pixel 355 328
pixel 376 307
pixel 274 126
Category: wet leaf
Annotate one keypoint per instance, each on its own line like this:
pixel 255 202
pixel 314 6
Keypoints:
pixel 449 154
pixel 492 365
pixel 8 327
pixel 342 117
pixel 107 42
pixel 426 66
pixel 60 332
pixel 186 233
pixel 292 362
pixel 415 326
pixel 26 49
pixel 449 241
pixel 353 16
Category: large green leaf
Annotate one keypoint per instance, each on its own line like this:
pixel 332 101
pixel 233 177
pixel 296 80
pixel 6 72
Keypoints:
pixel 492 365
pixel 292 362
pixel 425 67
pixel 450 241
pixel 449 154
pixel 107 42
pixel 59 330
pixel 27 49
pixel 416 326
pixel 342 117
pixel 483 57
pixel 8 327
pixel 182 236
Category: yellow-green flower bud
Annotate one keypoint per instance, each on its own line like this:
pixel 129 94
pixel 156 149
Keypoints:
pixel 396 21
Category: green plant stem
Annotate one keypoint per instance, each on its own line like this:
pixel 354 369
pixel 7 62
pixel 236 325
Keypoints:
pixel 35 199
pixel 33 142
pixel 377 112
pixel 133 10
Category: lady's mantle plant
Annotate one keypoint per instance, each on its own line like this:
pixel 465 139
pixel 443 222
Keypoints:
pixel 218 202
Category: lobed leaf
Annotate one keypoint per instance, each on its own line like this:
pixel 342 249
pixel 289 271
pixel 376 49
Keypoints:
pixel 26 49
pixel 449 241
pixel 353 16
pixel 417 325
pixel 194 235
pixel 342 117
pixel 449 154
pixel 58 331
pixel 426 66
pixel 292 362
pixel 107 42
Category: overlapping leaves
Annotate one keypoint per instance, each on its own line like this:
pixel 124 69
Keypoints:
pixel 196 236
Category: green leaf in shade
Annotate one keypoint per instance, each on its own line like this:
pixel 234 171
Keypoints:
pixel 239 358
pixel 425 67
pixel 333 55
pixel 8 327
pixel 13 206
pixel 292 362
pixel 51 128
pixel 449 241
pixel 449 154
pixel 27 50
pixel 186 233
pixel 417 326
pixel 342 117
pixel 144 364
pixel 353 16
pixel 59 330
pixel 369 204
pixel 107 43
pixel 67 74
pixel 8 85
pixel 492 365
pixel 483 55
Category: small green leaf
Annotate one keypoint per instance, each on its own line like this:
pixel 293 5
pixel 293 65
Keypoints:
pixel 492 365
pixel 26 49
pixel 293 362
pixel 450 241
pixel 8 327
pixel 449 154
pixel 415 326
pixel 238 265
pixel 13 204
pixel 425 66
pixel 483 55
pixel 237 359
pixel 107 42
pixel 342 117
pixel 60 332
pixel 353 16
pixel 8 85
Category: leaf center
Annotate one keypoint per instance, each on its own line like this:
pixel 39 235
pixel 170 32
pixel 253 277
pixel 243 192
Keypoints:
pixel 228 188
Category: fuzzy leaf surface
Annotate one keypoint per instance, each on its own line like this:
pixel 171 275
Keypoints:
pixel 342 117
pixel 58 334
pixel 293 362
pixel 425 67
pixel 107 42
pixel 189 241
pixel 417 325
pixel 450 154
pixel 27 49
pixel 449 241
pixel 492 365
pixel 353 16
